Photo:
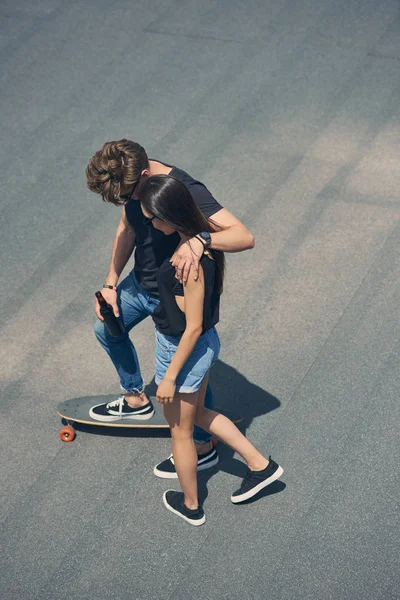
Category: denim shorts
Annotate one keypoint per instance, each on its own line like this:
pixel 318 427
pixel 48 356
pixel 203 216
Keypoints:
pixel 203 357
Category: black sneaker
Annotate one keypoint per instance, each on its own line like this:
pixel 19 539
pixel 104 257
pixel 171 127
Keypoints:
pixel 255 481
pixel 166 468
pixel 120 409
pixel 174 502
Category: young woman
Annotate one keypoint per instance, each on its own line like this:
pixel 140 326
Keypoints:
pixel 187 346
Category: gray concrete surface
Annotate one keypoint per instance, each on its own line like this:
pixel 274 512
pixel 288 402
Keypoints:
pixel 289 111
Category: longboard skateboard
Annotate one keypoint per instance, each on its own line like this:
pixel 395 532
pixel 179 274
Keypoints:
pixel 76 410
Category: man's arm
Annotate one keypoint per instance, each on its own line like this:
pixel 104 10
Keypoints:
pixel 123 245
pixel 235 237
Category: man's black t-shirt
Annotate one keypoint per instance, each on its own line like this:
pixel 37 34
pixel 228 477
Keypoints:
pixel 153 246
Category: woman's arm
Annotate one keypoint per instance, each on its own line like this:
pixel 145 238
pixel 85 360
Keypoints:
pixel 194 301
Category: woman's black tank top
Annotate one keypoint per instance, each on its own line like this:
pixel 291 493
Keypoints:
pixel 168 317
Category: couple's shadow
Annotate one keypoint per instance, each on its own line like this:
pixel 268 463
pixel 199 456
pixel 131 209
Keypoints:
pixel 239 399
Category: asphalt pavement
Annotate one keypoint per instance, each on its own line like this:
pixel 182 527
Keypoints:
pixel 289 112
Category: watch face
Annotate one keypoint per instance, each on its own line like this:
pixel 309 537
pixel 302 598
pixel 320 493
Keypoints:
pixel 206 237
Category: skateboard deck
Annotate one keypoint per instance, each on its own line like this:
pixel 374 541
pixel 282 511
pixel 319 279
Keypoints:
pixel 76 410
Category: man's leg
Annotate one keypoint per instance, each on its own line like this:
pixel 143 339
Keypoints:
pixel 135 304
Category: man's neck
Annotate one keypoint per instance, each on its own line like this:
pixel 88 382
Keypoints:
pixel 157 168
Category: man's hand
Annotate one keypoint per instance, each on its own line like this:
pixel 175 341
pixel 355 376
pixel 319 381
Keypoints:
pixel 166 391
pixel 186 257
pixel 110 296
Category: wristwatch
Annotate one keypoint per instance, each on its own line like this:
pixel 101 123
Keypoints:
pixel 205 238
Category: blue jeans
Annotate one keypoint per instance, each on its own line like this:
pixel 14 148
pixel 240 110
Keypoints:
pixel 135 304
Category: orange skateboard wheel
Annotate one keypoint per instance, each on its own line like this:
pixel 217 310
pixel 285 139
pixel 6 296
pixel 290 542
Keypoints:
pixel 67 433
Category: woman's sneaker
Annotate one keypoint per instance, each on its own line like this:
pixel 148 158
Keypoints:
pixel 166 468
pixel 255 481
pixel 120 409
pixel 174 502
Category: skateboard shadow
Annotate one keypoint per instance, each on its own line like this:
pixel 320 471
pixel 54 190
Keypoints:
pixel 234 395
pixel 120 432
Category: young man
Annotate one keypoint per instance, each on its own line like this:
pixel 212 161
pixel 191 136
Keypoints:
pixel 116 173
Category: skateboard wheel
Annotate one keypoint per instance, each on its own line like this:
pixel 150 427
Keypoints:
pixel 67 433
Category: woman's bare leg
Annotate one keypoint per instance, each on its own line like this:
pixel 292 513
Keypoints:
pixel 227 432
pixel 180 416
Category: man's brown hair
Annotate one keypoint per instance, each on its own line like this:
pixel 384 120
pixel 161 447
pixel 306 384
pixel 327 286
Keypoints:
pixel 116 166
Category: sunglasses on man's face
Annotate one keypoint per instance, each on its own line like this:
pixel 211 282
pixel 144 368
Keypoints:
pixel 127 197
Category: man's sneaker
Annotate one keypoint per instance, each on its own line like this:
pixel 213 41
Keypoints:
pixel 255 481
pixel 120 409
pixel 166 468
pixel 174 502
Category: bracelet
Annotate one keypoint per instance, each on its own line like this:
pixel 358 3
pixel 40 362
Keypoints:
pixel 198 237
pixel 109 287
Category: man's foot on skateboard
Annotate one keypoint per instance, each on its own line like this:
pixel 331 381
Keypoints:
pixel 120 409
pixel 166 468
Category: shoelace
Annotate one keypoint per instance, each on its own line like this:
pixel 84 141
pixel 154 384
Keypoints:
pixel 246 479
pixel 249 475
pixel 118 402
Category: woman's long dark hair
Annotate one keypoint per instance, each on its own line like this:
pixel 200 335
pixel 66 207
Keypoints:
pixel 169 199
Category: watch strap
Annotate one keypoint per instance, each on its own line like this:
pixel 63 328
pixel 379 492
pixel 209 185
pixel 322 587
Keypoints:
pixel 205 238
pixel 198 237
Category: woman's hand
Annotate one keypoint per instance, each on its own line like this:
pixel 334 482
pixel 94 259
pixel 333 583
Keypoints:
pixel 186 257
pixel 166 391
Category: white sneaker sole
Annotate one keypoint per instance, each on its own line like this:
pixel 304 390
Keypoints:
pixel 110 418
pixel 258 488
pixel 196 523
